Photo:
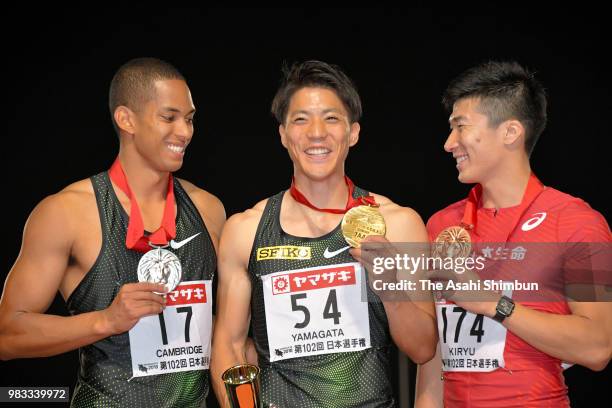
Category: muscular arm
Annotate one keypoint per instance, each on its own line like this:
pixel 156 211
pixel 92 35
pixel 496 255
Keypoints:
pixel 584 337
pixel 210 208
pixel 25 331
pixel 411 322
pixel 233 298
pixel 429 385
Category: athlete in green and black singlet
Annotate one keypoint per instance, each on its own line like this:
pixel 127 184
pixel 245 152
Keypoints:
pixel 104 378
pixel 343 379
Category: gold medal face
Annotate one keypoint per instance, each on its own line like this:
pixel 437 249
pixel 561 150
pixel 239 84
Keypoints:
pixel 453 242
pixel 360 222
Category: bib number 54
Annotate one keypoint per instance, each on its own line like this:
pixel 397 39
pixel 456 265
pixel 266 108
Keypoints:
pixel 330 311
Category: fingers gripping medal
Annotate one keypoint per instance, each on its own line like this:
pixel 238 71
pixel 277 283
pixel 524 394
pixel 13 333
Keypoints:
pixel 160 266
pixel 360 222
pixel 453 242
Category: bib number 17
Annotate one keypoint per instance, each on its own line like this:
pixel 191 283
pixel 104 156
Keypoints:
pixel 162 323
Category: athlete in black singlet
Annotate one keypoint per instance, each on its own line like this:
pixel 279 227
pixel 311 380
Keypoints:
pixel 86 241
pixel 285 265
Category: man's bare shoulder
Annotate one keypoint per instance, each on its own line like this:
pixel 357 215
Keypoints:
pixel 199 196
pixel 258 209
pixel 59 212
pixel 239 234
pixel 74 197
pixel 403 223
pixel 192 189
pixel 210 207
pixel 396 213
pixel 247 220
pixel 81 186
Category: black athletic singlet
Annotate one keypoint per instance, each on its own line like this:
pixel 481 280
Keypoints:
pixel 105 366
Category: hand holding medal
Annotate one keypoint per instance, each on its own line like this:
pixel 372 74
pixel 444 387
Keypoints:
pixel 451 244
pixel 454 244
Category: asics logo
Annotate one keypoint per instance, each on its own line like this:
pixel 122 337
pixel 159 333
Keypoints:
pixel 331 254
pixel 534 221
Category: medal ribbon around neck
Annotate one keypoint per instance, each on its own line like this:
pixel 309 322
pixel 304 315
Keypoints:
pixel 350 202
pixel 456 240
pixel 361 215
pixel 470 215
pixel 135 238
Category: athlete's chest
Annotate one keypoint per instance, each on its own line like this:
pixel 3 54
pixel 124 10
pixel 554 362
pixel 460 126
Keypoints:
pixel 286 252
pixel 311 290
pixel 308 225
pixel 536 224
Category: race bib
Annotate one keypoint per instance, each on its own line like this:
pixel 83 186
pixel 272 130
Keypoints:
pixel 469 342
pixel 316 311
pixel 177 339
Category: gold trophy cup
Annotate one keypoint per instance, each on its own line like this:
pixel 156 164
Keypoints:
pixel 242 386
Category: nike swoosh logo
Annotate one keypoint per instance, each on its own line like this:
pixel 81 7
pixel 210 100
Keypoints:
pixel 328 254
pixel 177 245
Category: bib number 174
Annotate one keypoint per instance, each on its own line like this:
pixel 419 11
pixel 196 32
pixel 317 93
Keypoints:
pixel 457 321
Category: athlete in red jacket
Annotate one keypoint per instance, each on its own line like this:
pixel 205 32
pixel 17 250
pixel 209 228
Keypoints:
pixel 507 351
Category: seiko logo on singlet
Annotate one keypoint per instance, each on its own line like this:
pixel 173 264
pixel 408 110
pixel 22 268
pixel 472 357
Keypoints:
pixel 284 252
pixel 534 221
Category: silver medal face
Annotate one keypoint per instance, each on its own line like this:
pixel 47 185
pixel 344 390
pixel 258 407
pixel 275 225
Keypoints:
pixel 160 266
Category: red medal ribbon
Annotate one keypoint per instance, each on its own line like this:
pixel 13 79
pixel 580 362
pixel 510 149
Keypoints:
pixel 470 216
pixel 135 238
pixel 350 202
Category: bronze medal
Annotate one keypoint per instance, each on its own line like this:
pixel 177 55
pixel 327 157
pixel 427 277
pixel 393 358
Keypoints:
pixel 453 242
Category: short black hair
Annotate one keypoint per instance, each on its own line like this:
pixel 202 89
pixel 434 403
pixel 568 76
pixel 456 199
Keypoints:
pixel 505 90
pixel 320 75
pixel 134 83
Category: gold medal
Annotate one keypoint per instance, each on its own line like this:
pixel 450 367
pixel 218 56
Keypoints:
pixel 453 242
pixel 360 222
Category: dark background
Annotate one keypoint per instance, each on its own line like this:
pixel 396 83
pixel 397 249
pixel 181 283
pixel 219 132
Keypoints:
pixel 58 65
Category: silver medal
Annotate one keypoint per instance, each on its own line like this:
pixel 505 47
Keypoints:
pixel 160 266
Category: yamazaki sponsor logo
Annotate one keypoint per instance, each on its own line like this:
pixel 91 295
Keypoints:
pixel 313 279
pixel 187 294
pixel 284 252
